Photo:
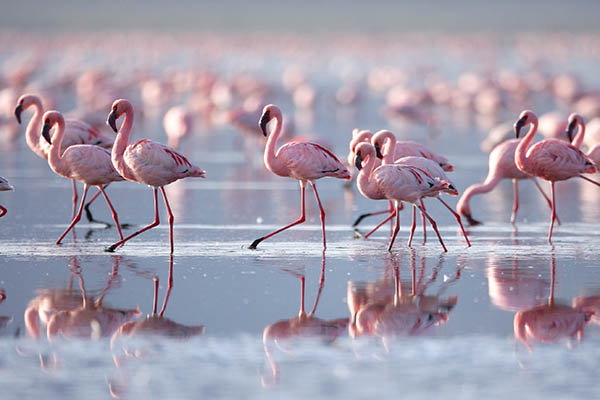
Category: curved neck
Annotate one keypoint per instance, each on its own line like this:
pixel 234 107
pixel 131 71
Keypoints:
pixel 388 145
pixel 363 181
pixel 32 134
pixel 521 158
pixel 55 158
pixel 122 139
pixel 463 206
pixel 270 155
pixel 578 140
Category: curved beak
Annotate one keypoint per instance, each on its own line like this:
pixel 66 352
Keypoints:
pixel 18 111
pixel 46 132
pixel 378 151
pixel 519 125
pixel 264 120
pixel 571 129
pixel 112 120
pixel 358 161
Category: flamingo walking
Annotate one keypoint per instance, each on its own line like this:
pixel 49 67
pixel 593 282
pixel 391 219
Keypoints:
pixel 146 162
pixel 76 132
pixel 178 123
pixel 551 159
pixel 303 161
pixel 397 183
pixel 501 165
pixel 4 186
pixel 86 163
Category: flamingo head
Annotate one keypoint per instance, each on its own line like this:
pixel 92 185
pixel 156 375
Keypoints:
pixel 24 103
pixel 119 107
pixel 525 118
pixel 363 150
pixel 574 120
pixel 380 138
pixel 270 112
pixel 50 119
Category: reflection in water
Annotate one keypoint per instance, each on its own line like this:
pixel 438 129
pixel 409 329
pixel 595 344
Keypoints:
pixel 551 322
pixel 281 334
pixel 4 320
pixel 387 310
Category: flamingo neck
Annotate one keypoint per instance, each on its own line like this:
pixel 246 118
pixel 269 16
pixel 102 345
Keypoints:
pixel 363 181
pixel 32 134
pixel 578 140
pixel 55 156
pixel 463 206
pixel 521 158
pixel 121 142
pixel 270 157
pixel 389 149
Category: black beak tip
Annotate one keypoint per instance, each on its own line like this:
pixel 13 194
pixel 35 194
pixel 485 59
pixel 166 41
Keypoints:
pixel 378 152
pixel 46 132
pixel 112 121
pixel 18 111
pixel 358 162
pixel 264 120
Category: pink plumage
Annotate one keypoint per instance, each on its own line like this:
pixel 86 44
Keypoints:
pixel 178 123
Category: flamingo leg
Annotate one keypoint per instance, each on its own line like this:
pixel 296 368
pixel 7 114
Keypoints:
pixel 389 217
pixel 321 213
pixel 553 215
pixel 434 226
pixel 77 217
pixel 589 180
pixel 2 211
pixel 321 283
pixel 457 220
pixel 155 300
pixel 152 225
pixel 75 197
pixel 169 287
pixel 545 197
pixel 298 221
pixel 396 227
pixel 171 217
pixel 413 226
pixel 424 224
pixel 371 214
pixel 302 287
pixel 112 210
pixel 513 216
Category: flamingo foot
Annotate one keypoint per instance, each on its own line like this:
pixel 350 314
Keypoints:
pixel 255 243
pixel 358 234
pixel 472 221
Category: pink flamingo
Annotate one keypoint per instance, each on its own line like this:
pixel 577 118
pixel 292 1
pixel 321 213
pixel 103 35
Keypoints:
pixel 76 132
pixel 551 159
pixel 4 186
pixel 576 120
pixel 397 183
pixel 178 123
pixel 86 163
pixel 501 165
pixel 146 162
pixel 303 161
pixel 434 169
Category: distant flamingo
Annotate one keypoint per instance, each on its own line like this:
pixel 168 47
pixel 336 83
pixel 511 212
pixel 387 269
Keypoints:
pixel 576 121
pixel 146 162
pixel 4 186
pixel 86 163
pixel 303 161
pixel 178 123
pixel 76 132
pixel 395 182
pixel 501 165
pixel 551 159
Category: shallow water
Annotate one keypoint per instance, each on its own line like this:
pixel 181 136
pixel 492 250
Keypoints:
pixel 463 345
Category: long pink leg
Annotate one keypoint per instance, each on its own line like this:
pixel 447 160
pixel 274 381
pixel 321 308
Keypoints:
pixel 75 196
pixel 424 224
pixel 298 221
pixel 537 184
pixel 589 180
pixel 112 210
pixel 88 213
pixel 2 211
pixel 396 227
pixel 171 217
pixel 513 216
pixel 362 216
pixel 457 220
pixel 77 217
pixel 434 226
pixel 152 225
pixel 388 218
pixel 553 216
pixel 321 283
pixel 321 213
pixel 413 226
pixel 169 288
pixel 155 300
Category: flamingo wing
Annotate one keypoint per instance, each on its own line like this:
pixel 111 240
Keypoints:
pixel 310 161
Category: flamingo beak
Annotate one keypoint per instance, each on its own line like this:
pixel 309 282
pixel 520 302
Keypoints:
pixel 18 111
pixel 571 129
pixel 378 151
pixel 46 132
pixel 112 120
pixel 358 161
pixel 264 120
pixel 519 125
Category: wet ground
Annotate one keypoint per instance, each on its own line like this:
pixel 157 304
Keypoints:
pixel 454 332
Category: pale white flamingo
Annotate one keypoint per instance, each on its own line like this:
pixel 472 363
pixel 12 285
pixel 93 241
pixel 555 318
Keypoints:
pixel 4 186
pixel 146 162
pixel 178 123
pixel 76 132
pixel 551 159
pixel 303 161
pixel 397 183
pixel 85 163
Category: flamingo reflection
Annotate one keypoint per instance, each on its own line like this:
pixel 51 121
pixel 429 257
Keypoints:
pixel 551 322
pixel 387 311
pixel 4 320
pixel 281 334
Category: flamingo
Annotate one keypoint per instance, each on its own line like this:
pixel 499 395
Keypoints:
pixel 551 159
pixel 178 123
pixel 501 165
pixel 397 183
pixel 303 161
pixel 76 132
pixel 147 162
pixel 86 163
pixel 4 186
